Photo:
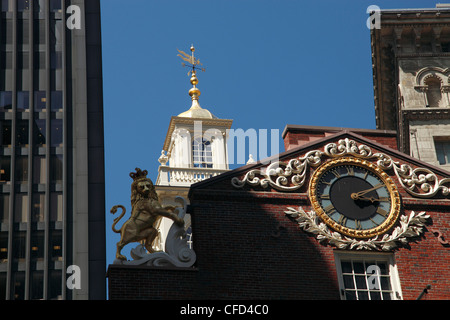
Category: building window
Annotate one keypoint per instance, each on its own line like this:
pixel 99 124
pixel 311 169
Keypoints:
pixel 5 100
pixel 21 208
pixel 18 286
pixel 19 246
pixel 23 100
pixel 21 169
pixel 23 5
pixel 39 5
pixel 367 277
pixel 38 207
pixel 56 206
pixel 39 170
pixel 5 169
pixel 37 285
pixel 55 5
pixel 39 132
pixel 434 95
pixel 37 246
pixel 4 210
pixel 202 154
pixel 56 133
pixel 57 101
pixel 5 133
pixel 40 101
pixel 22 133
pixel 56 169
pixel 442 151
pixel 5 5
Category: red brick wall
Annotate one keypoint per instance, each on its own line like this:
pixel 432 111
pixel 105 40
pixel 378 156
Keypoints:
pixel 247 248
pixel 294 138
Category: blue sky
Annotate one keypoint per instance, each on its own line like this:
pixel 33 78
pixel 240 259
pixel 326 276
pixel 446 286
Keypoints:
pixel 268 63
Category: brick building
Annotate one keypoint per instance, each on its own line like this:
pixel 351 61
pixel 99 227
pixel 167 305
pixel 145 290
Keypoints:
pixel 249 246
pixel 342 213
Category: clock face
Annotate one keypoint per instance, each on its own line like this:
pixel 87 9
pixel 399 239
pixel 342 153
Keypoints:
pixel 354 197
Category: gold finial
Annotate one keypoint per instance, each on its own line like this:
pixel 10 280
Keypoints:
pixel 192 63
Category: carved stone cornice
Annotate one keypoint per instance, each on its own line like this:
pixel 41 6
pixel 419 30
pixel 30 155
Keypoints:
pixel 426 114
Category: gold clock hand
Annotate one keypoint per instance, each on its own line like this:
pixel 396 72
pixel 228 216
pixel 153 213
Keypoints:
pixel 360 193
pixel 371 199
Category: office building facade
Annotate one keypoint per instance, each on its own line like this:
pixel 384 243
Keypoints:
pixel 51 150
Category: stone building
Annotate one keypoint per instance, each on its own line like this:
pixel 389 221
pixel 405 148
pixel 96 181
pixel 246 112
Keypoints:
pixel 52 188
pixel 411 59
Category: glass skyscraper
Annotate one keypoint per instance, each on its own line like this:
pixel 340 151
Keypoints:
pixel 52 194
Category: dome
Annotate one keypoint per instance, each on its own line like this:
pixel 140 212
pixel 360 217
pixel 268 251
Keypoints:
pixel 197 112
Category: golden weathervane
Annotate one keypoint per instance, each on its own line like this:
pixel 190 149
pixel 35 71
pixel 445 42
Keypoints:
pixel 191 60
pixel 193 63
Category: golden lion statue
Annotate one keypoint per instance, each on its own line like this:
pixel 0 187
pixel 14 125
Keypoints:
pixel 146 211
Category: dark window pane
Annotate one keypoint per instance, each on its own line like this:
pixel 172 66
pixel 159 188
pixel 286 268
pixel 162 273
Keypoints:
pixel 19 245
pixel 23 100
pixel 350 295
pixel 38 207
pixel 348 282
pixel 56 167
pixel 37 246
pixel 358 267
pixel 22 133
pixel 375 295
pixel 40 100
pixel 361 282
pixel 4 215
pixel 363 295
pixel 23 5
pixel 56 246
pixel 56 60
pixel 385 283
pixel 56 133
pixel 2 285
pixel 55 5
pixel 18 286
pixel 39 131
pixel 57 101
pixel 5 133
pixel 5 100
pixel 37 285
pixel 387 296
pixel 5 5
pixel 55 285
pixel 442 151
pixel 21 169
pixel 5 168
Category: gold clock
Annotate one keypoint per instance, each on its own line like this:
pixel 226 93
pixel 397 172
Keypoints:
pixel 354 197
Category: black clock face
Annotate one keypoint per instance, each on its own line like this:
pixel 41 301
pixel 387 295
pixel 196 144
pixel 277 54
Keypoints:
pixel 353 197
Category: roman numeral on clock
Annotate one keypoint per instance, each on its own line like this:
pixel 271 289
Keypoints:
pixel 382 212
pixel 342 220
pixel 329 209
